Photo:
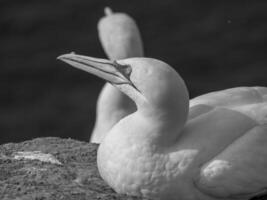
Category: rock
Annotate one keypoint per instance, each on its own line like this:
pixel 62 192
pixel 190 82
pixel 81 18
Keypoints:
pixel 52 169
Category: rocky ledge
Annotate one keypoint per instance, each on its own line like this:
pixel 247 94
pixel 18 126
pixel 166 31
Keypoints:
pixel 53 169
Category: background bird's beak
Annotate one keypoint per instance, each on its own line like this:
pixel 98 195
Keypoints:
pixel 105 69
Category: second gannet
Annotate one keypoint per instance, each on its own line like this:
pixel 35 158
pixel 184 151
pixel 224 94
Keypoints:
pixel 218 152
pixel 120 38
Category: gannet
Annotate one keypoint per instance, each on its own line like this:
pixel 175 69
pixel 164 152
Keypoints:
pixel 120 38
pixel 216 149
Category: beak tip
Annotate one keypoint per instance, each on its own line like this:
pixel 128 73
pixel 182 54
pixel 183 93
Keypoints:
pixel 64 56
pixel 59 58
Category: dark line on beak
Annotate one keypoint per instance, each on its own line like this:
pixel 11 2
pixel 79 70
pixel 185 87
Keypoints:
pixel 114 64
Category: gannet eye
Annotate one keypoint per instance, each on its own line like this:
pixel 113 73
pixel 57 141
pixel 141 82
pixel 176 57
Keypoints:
pixel 124 69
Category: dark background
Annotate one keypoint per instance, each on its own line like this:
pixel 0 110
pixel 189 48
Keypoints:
pixel 213 44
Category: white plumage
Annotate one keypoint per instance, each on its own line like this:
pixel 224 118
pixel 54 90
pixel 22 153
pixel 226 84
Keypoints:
pixel 213 149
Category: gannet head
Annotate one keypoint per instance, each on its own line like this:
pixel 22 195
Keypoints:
pixel 155 87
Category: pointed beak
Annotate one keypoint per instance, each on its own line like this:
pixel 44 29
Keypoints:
pixel 105 69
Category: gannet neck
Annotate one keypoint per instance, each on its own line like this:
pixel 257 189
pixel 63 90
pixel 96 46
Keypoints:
pixel 162 95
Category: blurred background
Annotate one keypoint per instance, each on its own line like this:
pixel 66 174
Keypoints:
pixel 213 45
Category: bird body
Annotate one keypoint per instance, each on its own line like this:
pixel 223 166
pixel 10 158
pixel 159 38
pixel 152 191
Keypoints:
pixel 220 154
pixel 211 148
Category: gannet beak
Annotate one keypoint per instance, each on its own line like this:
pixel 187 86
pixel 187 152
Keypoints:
pixel 110 71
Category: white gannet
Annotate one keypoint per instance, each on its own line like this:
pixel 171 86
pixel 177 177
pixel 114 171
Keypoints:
pixel 218 152
pixel 120 39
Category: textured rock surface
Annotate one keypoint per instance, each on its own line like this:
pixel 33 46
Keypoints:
pixel 76 178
